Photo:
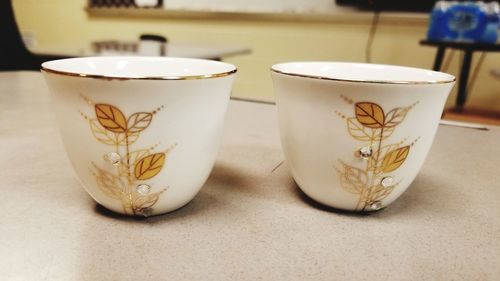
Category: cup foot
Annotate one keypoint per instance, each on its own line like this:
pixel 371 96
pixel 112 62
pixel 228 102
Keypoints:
pixel 318 205
pixel 102 210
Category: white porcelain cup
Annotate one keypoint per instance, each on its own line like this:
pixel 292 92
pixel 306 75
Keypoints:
pixel 356 135
pixel 142 133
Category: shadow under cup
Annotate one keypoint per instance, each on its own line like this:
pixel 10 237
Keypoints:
pixel 142 133
pixel 356 135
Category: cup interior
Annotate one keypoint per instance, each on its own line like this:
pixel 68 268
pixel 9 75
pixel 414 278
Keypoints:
pixel 140 67
pixel 362 72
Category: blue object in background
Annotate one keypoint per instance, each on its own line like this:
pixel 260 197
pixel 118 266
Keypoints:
pixel 464 22
pixel 490 35
pixel 437 23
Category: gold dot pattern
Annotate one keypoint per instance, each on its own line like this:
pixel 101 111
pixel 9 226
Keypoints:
pixel 158 109
pixel 340 114
pixel 346 99
pixel 415 141
pixel 83 115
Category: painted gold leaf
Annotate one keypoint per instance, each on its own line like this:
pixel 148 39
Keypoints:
pixel 149 166
pixel 395 116
pixel 131 160
pixel 147 201
pixel 109 137
pixel 139 121
pixel 134 156
pixel 395 159
pixel 122 138
pixel 358 131
pixel 101 134
pixel 110 184
pixel 375 162
pixel 111 118
pixel 381 192
pixel 370 114
pixel 385 133
pixel 353 180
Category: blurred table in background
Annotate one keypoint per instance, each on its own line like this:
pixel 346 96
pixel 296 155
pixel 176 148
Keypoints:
pixel 468 48
pixel 174 49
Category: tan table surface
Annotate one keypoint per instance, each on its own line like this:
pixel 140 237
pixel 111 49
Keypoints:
pixel 248 222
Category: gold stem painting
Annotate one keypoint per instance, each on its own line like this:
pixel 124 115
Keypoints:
pixel 132 167
pixel 371 125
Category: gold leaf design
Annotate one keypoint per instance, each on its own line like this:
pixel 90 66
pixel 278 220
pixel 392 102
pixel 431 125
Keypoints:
pixel 111 118
pixel 108 137
pixel 354 180
pixel 110 184
pixel 395 159
pixel 371 125
pixel 111 127
pixel 134 156
pixel 149 166
pixel 370 114
pixel 395 116
pixel 139 121
pixel 379 192
pixel 358 131
pixel 122 138
pixel 101 134
pixel 142 202
pixel 131 159
pixel 375 162
pixel 385 133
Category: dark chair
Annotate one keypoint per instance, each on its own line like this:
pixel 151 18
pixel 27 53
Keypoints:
pixel 13 53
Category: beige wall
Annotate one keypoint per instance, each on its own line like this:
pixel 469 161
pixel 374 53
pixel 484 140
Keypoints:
pixel 65 23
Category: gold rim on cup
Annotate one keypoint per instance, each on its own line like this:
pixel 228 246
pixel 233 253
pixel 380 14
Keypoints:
pixel 396 82
pixel 110 77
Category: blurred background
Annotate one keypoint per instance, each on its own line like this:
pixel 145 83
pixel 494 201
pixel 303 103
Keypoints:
pixel 254 35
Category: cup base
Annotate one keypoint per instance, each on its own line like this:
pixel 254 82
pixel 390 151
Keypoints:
pixel 102 210
pixel 325 207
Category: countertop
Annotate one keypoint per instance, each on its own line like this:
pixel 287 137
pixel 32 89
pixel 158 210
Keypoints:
pixel 250 221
